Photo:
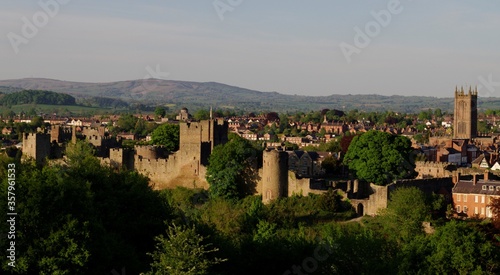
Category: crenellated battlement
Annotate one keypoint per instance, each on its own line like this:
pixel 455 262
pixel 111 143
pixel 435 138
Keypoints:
pixel 432 164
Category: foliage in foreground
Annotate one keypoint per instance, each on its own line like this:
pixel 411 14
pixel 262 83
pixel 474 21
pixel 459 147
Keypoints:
pixel 84 219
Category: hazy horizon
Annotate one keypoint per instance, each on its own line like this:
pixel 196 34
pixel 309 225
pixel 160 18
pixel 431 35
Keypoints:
pixel 378 47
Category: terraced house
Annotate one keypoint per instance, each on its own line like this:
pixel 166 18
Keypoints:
pixel 472 197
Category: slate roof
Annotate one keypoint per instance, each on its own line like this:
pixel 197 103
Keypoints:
pixel 468 187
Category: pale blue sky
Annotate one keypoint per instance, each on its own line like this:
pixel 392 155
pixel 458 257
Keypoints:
pixel 288 46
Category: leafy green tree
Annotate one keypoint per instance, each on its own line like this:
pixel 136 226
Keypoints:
pixel 37 122
pixel 81 155
pixel 81 220
pixel 126 123
pixel 331 146
pixel 160 112
pixel 52 221
pixel 424 115
pixel 183 251
pixel 140 127
pixel 483 127
pixel 201 114
pixel 405 212
pixel 379 157
pixel 284 123
pixel 457 248
pixel 354 249
pixel 231 171
pixel 438 113
pixel 330 201
pixel 167 135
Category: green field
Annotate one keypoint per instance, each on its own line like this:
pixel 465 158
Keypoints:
pixel 58 109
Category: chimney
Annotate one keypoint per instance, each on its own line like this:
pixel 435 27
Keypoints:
pixel 474 179
pixel 486 175
pixel 456 177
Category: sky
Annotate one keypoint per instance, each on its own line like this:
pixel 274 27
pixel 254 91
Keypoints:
pixel 317 48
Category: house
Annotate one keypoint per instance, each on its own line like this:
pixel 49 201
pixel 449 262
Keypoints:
pixel 495 166
pixel 305 164
pixel 8 131
pixel 130 136
pixel 472 197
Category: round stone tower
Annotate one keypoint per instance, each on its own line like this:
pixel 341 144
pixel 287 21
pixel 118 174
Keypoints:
pixel 274 175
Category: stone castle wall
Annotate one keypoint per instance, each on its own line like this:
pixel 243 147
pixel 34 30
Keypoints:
pixel 36 146
pixel 429 169
pixel 186 167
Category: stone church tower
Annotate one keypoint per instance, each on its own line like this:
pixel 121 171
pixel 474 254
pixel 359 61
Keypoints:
pixel 465 115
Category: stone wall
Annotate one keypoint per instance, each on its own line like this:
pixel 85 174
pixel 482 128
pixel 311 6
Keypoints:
pixel 36 146
pixel 430 169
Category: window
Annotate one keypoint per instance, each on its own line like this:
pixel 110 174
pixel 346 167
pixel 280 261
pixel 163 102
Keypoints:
pixel 498 188
pixel 492 187
pixel 458 208
pixel 459 197
pixel 476 211
pixel 476 199
pixel 465 209
pixel 488 212
pixel 465 198
pixel 482 211
pixel 482 199
pixel 484 187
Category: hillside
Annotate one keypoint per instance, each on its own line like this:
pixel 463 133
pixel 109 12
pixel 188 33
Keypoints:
pixel 203 94
pixel 36 97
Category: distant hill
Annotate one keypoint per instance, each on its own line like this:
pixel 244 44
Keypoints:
pixel 36 97
pixel 204 94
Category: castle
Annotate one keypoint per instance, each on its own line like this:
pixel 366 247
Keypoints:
pixel 283 173
pixel 186 167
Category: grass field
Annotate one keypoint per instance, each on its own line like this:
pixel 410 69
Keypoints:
pixel 58 109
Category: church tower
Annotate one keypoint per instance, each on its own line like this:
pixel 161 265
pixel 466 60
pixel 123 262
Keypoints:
pixel 465 115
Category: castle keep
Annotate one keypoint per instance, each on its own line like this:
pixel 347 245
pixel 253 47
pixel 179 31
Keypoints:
pixel 186 167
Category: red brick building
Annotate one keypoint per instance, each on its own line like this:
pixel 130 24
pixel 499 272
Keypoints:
pixel 472 197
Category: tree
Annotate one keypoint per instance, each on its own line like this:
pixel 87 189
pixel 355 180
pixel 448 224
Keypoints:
pixel 201 114
pixel 167 135
pixel 81 154
pixel 284 123
pixel 379 157
pixel 272 117
pixel 126 123
pixel 425 115
pixel 438 113
pixel 160 112
pixel 405 212
pixel 37 122
pixel 495 209
pixel 183 251
pixel 80 219
pixel 330 164
pixel 457 248
pixel 231 170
